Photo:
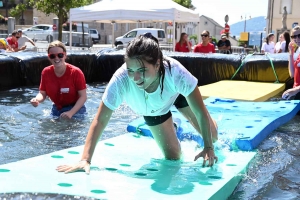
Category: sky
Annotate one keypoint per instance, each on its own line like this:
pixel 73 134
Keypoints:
pixel 218 9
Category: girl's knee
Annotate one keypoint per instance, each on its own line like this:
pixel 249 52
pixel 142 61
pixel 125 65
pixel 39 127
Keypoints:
pixel 173 156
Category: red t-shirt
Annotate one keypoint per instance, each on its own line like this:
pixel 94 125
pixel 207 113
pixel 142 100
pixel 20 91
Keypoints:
pixel 11 43
pixel 297 72
pixel 63 90
pixel 209 48
pixel 182 48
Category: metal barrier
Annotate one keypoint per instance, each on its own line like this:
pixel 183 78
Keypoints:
pixel 3 35
pixel 89 49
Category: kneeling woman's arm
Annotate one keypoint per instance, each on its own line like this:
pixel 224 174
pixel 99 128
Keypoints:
pixel 80 101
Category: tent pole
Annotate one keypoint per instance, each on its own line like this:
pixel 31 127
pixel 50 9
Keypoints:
pixel 173 39
pixel 113 34
pixel 70 34
pixel 199 32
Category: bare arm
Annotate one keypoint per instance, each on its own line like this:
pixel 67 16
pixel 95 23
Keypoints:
pixel 291 59
pixel 206 125
pixel 40 97
pixel 31 42
pixel 19 49
pixel 189 45
pixel 79 103
pixel 97 127
pixel 203 117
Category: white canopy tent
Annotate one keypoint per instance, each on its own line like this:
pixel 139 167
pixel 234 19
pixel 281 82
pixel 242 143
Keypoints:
pixel 133 11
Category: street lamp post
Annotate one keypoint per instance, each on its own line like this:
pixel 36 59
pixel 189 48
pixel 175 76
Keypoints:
pixel 245 22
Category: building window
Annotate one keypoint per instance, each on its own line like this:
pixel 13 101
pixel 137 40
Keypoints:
pixel 205 23
pixel 102 26
pixel 288 4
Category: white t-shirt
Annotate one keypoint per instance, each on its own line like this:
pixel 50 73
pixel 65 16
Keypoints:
pixel 121 88
pixel 268 47
pixel 22 40
pixel 280 45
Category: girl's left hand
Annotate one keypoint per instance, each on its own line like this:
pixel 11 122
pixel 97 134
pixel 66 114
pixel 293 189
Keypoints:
pixel 208 155
pixel 66 115
pixel 289 93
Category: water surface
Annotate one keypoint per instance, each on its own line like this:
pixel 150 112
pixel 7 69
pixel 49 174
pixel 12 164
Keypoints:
pixel 26 132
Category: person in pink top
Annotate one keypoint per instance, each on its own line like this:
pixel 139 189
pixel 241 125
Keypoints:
pixel 205 46
pixel 294 65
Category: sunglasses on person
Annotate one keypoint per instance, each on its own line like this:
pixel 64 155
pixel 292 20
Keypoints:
pixel 203 35
pixel 53 55
pixel 17 37
pixel 295 36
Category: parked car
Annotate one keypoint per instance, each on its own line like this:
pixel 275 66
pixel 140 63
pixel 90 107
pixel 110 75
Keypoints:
pixel 95 35
pixel 40 32
pixel 125 39
pixel 45 32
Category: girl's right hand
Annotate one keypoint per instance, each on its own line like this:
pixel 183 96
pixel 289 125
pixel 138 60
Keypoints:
pixel 34 102
pixel 82 165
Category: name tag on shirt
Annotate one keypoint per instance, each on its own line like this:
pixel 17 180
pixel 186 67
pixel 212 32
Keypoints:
pixel 64 90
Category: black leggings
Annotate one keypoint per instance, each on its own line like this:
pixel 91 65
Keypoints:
pixel 180 102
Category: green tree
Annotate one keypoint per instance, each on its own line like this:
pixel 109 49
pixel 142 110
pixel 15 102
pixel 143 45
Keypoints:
pixel 185 3
pixel 60 8
pixel 16 12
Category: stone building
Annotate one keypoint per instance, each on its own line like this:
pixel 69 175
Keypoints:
pixel 276 12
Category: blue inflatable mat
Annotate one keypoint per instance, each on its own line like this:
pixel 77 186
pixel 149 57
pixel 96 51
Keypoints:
pixel 128 167
pixel 240 124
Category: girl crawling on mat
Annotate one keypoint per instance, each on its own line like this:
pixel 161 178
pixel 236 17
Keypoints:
pixel 294 65
pixel 150 84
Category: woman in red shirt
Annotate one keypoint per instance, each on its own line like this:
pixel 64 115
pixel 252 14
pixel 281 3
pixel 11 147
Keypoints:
pixel 184 45
pixel 205 46
pixel 63 83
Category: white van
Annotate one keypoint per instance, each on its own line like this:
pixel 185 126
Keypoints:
pixel 125 39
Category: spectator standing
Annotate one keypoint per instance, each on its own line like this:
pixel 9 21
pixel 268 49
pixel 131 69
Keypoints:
pixel 268 46
pixel 280 45
pixel 23 39
pixel 184 45
pixel 212 42
pixel 13 41
pixel 224 45
pixel 205 46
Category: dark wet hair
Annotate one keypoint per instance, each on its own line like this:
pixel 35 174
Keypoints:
pixel 287 38
pixel 146 47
